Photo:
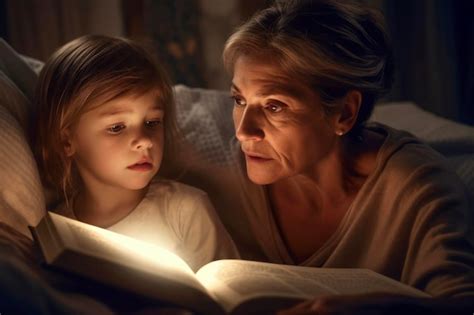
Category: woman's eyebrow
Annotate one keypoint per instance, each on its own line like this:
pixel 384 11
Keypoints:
pixel 275 88
pixel 280 89
pixel 234 87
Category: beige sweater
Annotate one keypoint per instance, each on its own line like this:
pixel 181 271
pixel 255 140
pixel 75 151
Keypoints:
pixel 408 222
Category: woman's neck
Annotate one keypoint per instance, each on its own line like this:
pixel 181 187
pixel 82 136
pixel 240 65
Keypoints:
pixel 308 208
pixel 106 206
pixel 334 182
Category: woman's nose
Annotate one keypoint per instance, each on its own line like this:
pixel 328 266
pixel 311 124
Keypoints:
pixel 248 124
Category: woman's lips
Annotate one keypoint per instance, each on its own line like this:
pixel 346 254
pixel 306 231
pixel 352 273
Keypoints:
pixel 255 158
pixel 141 167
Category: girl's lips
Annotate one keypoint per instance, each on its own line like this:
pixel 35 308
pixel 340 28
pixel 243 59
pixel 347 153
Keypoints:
pixel 141 167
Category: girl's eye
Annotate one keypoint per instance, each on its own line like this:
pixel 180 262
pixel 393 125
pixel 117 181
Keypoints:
pixel 152 123
pixel 238 101
pixel 115 129
pixel 274 107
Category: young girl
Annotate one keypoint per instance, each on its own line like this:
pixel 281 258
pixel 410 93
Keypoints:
pixel 106 124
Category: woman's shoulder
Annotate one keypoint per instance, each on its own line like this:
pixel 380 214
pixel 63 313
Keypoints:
pixel 404 152
pixel 406 161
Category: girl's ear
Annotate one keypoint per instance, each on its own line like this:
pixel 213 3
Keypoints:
pixel 348 113
pixel 67 143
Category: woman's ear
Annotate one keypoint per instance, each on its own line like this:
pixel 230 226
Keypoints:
pixel 349 112
pixel 67 143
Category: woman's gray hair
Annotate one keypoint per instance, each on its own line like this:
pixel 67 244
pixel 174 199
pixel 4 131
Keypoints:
pixel 333 47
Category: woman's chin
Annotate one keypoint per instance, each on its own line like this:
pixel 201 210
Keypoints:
pixel 262 178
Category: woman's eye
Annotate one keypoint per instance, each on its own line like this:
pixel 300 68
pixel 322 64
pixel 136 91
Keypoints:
pixel 152 123
pixel 115 129
pixel 238 101
pixel 274 108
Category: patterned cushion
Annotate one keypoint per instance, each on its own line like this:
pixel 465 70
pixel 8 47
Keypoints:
pixel 205 120
pixel 21 193
pixel 19 71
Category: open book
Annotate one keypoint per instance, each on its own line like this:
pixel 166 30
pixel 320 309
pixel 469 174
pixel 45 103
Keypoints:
pixel 220 287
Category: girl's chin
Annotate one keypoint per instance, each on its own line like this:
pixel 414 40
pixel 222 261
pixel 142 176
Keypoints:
pixel 139 185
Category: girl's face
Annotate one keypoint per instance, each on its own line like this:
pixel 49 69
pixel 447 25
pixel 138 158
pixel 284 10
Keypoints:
pixel 120 143
pixel 281 125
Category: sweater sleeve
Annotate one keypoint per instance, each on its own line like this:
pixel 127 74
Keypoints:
pixel 440 253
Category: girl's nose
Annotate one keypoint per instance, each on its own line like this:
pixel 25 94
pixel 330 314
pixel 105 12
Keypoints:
pixel 142 141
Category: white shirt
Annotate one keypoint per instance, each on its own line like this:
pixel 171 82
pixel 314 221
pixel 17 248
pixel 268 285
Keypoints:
pixel 179 218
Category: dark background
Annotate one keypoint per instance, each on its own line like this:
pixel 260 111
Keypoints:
pixel 433 40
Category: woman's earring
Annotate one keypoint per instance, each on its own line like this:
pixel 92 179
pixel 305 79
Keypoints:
pixel 339 132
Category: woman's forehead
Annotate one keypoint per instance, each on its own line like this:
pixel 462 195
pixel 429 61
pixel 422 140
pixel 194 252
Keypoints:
pixel 269 77
pixel 259 64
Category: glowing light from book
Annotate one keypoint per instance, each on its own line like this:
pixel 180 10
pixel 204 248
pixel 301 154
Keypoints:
pixel 131 251
pixel 151 253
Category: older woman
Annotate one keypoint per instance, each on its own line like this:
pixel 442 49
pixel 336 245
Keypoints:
pixel 331 189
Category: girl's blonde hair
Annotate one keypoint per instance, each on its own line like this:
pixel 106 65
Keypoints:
pixel 330 46
pixel 81 75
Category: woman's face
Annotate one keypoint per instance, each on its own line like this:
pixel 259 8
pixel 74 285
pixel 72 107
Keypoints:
pixel 280 123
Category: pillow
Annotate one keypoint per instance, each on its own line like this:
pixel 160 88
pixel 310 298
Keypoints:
pixel 21 195
pixel 35 64
pixel 14 101
pixel 205 120
pixel 17 69
pixel 446 136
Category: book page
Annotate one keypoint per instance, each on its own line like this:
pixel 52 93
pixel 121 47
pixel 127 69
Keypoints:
pixel 233 281
pixel 123 250
pixel 355 281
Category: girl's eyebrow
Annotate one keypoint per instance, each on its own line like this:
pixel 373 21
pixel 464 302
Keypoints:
pixel 158 106
pixel 115 111
pixel 119 110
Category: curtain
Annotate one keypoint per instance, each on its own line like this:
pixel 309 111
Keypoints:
pixel 433 43
pixel 38 27
pixel 174 28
